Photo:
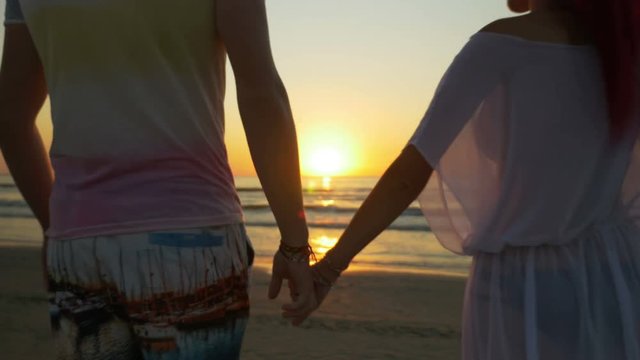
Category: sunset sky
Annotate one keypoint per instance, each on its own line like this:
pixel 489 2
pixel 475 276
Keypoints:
pixel 360 74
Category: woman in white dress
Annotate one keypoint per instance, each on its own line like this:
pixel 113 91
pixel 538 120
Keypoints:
pixel 531 165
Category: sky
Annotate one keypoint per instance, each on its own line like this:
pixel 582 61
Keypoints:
pixel 359 73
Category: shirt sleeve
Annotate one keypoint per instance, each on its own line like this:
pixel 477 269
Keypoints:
pixel 464 136
pixel 475 72
pixel 13 12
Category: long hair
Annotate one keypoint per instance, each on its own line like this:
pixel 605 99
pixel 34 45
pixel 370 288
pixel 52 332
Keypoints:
pixel 616 30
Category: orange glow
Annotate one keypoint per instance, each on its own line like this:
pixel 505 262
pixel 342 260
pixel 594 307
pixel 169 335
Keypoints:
pixel 323 244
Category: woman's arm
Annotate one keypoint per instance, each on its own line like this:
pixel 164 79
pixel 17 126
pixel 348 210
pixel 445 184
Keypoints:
pixel 400 185
pixel 22 92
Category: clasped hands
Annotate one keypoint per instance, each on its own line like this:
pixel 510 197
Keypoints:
pixel 308 285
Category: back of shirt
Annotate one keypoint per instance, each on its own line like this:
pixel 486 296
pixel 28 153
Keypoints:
pixel 518 136
pixel 137 91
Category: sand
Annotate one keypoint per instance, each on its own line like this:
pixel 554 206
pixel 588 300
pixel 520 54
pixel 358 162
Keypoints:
pixel 368 315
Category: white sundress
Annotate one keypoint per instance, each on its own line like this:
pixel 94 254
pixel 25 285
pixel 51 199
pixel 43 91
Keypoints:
pixel 528 182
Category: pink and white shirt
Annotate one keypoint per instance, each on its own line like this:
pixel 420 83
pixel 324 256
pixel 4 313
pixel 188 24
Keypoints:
pixel 137 91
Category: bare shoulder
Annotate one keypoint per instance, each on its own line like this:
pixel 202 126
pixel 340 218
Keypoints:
pixel 551 29
pixel 507 26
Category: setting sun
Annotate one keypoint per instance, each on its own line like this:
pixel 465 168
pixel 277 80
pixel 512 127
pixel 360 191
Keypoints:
pixel 326 162
pixel 327 152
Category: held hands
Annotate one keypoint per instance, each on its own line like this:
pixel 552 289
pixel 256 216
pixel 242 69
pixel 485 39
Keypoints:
pixel 292 264
pixel 308 285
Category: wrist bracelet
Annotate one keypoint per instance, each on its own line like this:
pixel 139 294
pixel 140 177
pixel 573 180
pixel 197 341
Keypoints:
pixel 299 254
pixel 331 266
pixel 317 277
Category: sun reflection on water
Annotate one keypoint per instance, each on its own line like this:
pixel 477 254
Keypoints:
pixel 323 244
pixel 328 202
pixel 326 183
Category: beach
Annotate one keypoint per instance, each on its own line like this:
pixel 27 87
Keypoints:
pixel 368 315
pixel 400 299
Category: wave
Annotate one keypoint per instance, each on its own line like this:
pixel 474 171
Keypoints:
pixel 256 189
pixel 249 189
pixel 259 190
pixel 342 226
pixel 318 208
pixel 329 209
pixel 12 203
pixel 326 210
pixel 310 190
pixel 347 190
pixel 12 215
pixel 26 214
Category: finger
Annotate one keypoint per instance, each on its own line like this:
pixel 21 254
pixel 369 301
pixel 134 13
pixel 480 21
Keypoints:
pixel 298 313
pixel 275 285
pixel 301 295
pixel 296 319
pixel 300 319
pixel 293 315
pixel 297 304
pixel 304 303
pixel 293 293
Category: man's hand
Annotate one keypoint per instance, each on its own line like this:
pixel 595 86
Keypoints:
pixel 301 288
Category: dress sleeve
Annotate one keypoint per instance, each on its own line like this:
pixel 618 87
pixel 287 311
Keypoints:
pixel 463 136
pixel 476 70
pixel 13 12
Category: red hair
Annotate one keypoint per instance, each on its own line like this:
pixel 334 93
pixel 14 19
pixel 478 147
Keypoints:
pixel 616 30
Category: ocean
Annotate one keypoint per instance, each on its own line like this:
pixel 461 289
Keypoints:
pixel 330 203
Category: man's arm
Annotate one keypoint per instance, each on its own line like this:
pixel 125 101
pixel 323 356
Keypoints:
pixel 271 135
pixel 23 90
pixel 266 114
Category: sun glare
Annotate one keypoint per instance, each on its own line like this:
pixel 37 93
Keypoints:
pixel 323 244
pixel 326 162
pixel 327 152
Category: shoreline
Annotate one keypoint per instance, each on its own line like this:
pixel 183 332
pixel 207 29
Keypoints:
pixel 263 263
pixel 369 314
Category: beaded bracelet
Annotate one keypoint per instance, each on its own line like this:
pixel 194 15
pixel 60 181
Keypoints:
pixel 326 261
pixel 298 254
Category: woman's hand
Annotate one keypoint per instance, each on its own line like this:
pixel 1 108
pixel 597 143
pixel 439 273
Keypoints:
pixel 324 278
pixel 301 287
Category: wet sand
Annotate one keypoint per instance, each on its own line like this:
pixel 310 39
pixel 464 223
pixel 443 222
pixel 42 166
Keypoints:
pixel 368 315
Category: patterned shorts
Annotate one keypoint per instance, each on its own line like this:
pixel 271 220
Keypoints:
pixel 162 295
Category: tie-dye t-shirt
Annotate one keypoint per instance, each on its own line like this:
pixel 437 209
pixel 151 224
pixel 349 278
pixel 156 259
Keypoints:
pixel 137 90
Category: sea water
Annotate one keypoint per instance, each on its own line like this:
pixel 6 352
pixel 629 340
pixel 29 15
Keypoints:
pixel 330 203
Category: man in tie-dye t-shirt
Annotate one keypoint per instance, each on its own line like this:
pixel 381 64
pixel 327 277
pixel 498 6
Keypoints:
pixel 146 246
